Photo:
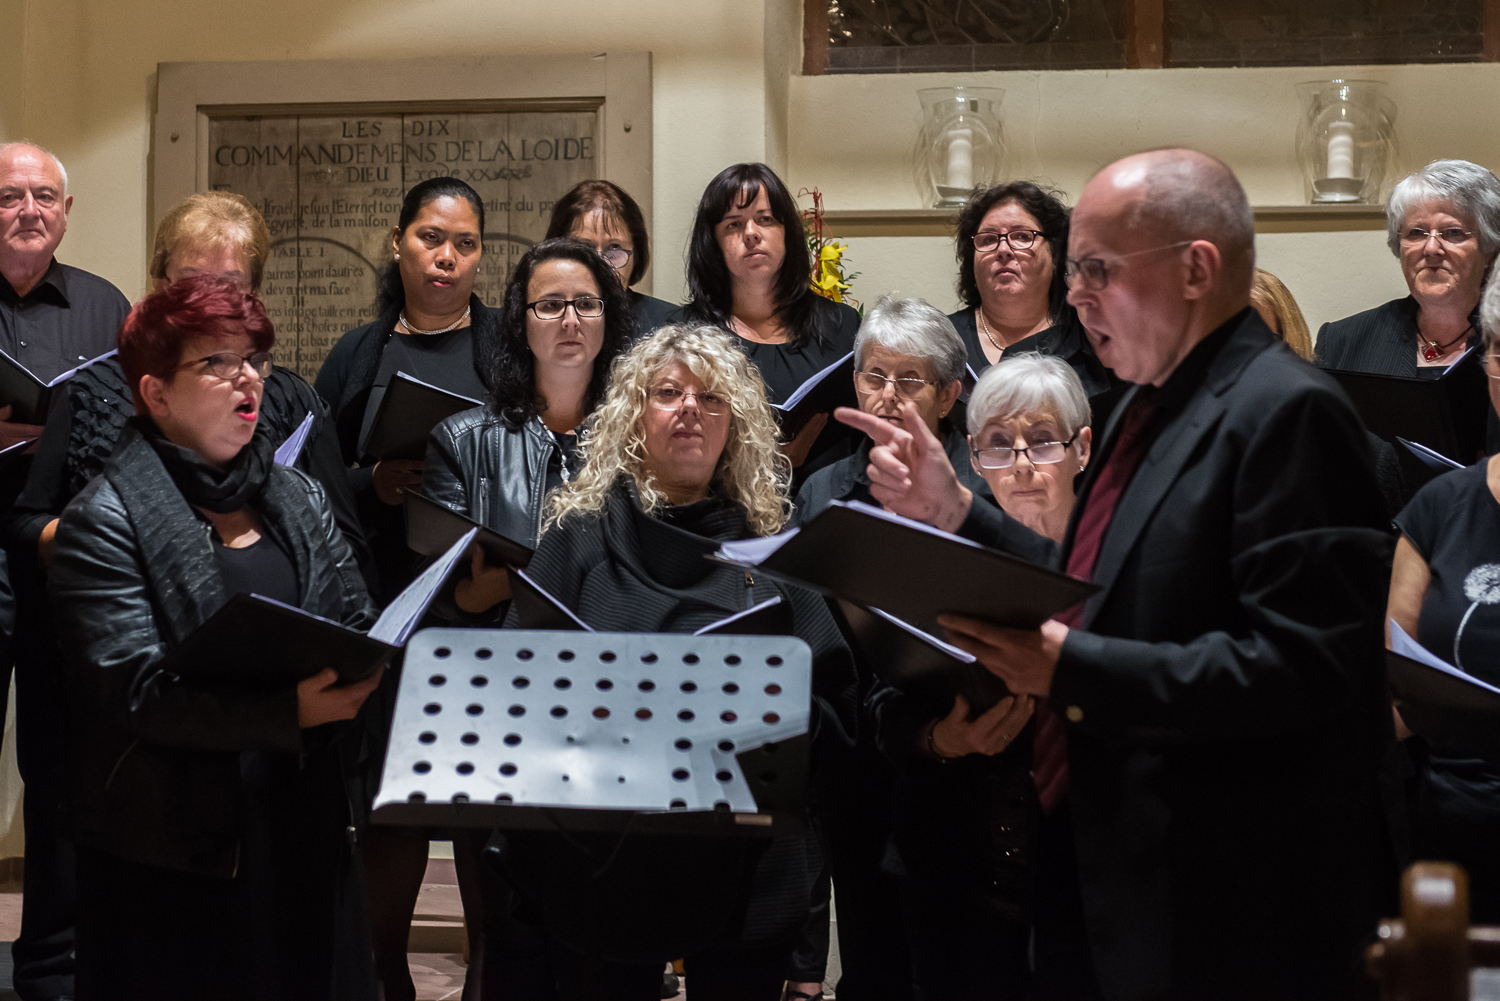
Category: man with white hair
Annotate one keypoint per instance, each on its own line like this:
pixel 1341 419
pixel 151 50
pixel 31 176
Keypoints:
pixel 1218 705
pixel 53 317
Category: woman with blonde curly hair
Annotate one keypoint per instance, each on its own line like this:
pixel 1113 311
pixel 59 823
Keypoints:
pixel 681 456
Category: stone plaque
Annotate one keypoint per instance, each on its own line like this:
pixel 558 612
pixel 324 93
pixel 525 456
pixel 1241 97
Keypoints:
pixel 330 189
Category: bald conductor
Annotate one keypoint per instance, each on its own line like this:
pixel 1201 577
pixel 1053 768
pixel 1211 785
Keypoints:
pixel 1210 723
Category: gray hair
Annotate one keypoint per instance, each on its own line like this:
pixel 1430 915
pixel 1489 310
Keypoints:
pixel 8 147
pixel 1026 384
pixel 1489 314
pixel 914 327
pixel 1469 189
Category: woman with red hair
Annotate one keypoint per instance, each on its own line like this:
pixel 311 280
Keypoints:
pixel 210 818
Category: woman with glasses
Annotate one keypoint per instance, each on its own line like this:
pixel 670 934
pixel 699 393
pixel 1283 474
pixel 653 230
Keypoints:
pixel 1445 594
pixel 681 456
pixel 603 215
pixel 1443 225
pixel 1029 438
pixel 564 320
pixel 968 831
pixel 430 326
pixel 210 813
pixel 906 352
pixel 749 272
pixel 1012 241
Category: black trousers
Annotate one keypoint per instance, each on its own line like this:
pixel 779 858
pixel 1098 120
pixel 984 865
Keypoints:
pixel 43 952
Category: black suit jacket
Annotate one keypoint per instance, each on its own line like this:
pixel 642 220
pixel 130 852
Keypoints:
pixel 1224 693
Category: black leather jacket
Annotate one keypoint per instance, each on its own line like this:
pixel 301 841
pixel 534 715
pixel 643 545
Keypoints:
pixel 498 477
pixel 157 758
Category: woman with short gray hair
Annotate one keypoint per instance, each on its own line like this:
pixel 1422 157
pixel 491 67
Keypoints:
pixel 1443 225
pixel 1029 436
pixel 907 352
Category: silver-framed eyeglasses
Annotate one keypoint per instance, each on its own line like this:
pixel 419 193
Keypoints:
pixel 1093 272
pixel 873 383
pixel 1449 237
pixel 672 398
pixel 227 365
pixel 1016 239
pixel 553 309
pixel 1494 359
pixel 1043 453
pixel 616 256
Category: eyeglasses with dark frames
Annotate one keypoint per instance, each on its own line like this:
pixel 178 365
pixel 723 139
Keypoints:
pixel 672 398
pixel 1452 236
pixel 227 365
pixel 553 309
pixel 616 257
pixel 1017 239
pixel 873 383
pixel 1043 453
pixel 1093 272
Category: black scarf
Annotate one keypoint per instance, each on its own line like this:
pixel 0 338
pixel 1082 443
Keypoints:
pixel 203 484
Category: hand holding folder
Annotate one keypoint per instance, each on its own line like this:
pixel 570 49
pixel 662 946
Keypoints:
pixel 255 641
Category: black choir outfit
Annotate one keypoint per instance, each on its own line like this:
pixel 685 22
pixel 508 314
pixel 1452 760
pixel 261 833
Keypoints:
pixel 213 832
pixel 71 316
pixel 650 312
pixel 1065 339
pixel 353 381
pixel 1384 341
pixel 1225 715
pixel 785 367
pixel 1454 525
pixel 733 907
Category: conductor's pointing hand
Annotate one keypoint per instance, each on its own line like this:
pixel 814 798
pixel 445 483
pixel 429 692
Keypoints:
pixel 909 471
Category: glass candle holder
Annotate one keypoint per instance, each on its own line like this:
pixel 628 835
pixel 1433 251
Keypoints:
pixel 961 144
pixel 1345 141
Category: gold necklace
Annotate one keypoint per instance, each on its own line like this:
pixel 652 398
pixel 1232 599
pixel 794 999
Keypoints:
pixel 441 330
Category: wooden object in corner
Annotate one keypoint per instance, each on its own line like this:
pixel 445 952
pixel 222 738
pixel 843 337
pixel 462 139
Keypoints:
pixel 1146 33
pixel 1491 31
pixel 815 37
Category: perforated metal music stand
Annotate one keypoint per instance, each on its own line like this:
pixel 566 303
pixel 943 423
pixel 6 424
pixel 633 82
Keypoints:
pixel 661 732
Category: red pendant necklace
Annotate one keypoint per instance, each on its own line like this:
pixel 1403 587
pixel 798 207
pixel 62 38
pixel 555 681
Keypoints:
pixel 1434 350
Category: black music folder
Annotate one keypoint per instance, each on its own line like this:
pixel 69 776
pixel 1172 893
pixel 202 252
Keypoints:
pixel 408 412
pixel 772 617
pixel 432 526
pixel 1446 414
pixel 830 388
pixel 910 570
pixel 30 397
pixel 1420 465
pixel 1442 703
pixel 255 641
pixel 903 655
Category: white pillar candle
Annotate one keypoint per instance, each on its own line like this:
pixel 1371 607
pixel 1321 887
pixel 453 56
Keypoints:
pixel 961 158
pixel 1341 149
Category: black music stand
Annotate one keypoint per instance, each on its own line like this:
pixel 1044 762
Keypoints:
pixel 653 732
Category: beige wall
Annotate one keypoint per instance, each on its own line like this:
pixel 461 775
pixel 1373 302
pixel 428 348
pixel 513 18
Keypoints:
pixel 88 83
pixel 852 137
pixel 79 75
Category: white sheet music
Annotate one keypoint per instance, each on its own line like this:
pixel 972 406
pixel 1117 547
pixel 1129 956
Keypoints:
pixel 1407 647
pixel 291 449
pixel 790 403
pixel 400 618
pixel 755 551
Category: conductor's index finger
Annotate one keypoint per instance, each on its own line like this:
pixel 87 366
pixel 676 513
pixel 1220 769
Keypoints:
pixel 884 432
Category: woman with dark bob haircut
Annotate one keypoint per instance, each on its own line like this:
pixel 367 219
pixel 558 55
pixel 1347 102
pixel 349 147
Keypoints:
pixel 430 326
pixel 750 273
pixel 1012 244
pixel 209 812
pixel 603 215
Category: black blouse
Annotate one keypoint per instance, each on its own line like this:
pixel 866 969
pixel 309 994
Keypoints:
pixel 1065 339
